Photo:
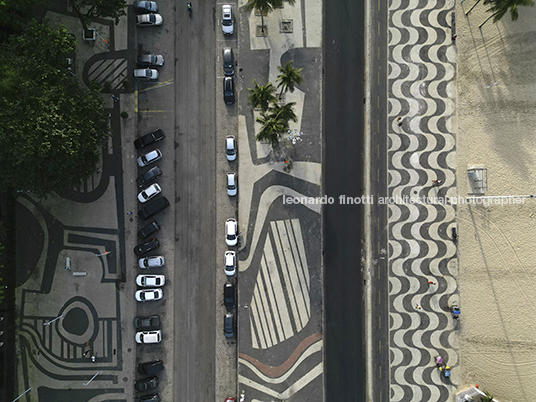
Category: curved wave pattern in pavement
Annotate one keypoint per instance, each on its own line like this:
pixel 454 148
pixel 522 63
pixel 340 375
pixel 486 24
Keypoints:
pixel 421 148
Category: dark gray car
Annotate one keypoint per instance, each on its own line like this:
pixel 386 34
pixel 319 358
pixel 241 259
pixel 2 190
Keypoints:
pixel 150 60
pixel 228 325
pixel 147 323
pixel 228 90
pixel 228 61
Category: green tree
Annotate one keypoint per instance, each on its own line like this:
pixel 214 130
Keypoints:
pixel 289 77
pixel 98 8
pixel 261 96
pixel 500 7
pixel 284 112
pixel 265 7
pixel 15 15
pixel 272 129
pixel 52 128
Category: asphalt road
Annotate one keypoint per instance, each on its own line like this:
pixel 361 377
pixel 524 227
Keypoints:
pixel 379 237
pixel 194 360
pixel 343 175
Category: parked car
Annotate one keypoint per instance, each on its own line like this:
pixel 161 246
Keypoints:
pixel 230 263
pixel 230 400
pixel 149 295
pixel 231 184
pixel 149 157
pixel 156 261
pixel 228 90
pixel 230 148
pixel 151 281
pixel 148 20
pixel 152 191
pixel 151 368
pixel 150 60
pixel 146 247
pixel 149 229
pixel 148 398
pixel 146 384
pixel 146 74
pixel 149 336
pixel 147 323
pixel 227 25
pixel 228 325
pixel 231 232
pixel 145 6
pixel 148 176
pixel 229 295
pixel 153 208
pixel 228 61
pixel 149 138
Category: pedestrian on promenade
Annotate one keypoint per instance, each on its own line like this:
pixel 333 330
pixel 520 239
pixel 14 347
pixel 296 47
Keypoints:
pixel 432 283
pixel 99 170
pixel 418 307
pixel 399 120
pixel 454 37
pixel 93 358
pixel 115 98
pixel 437 182
pixel 129 213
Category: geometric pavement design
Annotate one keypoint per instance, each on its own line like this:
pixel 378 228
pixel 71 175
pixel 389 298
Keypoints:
pixel 421 148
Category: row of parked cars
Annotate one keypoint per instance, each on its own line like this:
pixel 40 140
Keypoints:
pixel 148 16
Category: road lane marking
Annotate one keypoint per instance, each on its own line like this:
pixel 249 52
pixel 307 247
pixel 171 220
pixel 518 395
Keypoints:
pixel 160 84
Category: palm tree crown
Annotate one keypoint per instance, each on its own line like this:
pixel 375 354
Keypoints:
pixel 272 129
pixel 289 77
pixel 500 7
pixel 261 96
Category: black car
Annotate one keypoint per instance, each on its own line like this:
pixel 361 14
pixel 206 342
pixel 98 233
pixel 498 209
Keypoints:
pixel 148 398
pixel 153 208
pixel 150 138
pixel 146 247
pixel 151 368
pixel 228 61
pixel 148 176
pixel 228 325
pixel 228 90
pixel 149 229
pixel 146 384
pixel 147 323
pixel 229 295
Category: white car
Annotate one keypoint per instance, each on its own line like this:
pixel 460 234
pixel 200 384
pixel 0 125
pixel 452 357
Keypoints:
pixel 151 262
pixel 146 74
pixel 230 147
pixel 149 192
pixel 227 25
pixel 149 295
pixel 149 157
pixel 149 336
pixel 231 184
pixel 230 263
pixel 231 232
pixel 145 20
pixel 150 281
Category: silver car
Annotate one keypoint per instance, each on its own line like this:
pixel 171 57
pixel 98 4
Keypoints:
pixel 147 20
pixel 146 74
pixel 150 60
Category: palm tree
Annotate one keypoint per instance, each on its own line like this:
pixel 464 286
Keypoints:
pixel 487 398
pixel 500 7
pixel 285 112
pixel 265 7
pixel 289 77
pixel 272 129
pixel 261 96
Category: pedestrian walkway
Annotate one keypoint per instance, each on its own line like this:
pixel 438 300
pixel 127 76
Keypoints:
pixel 422 134
pixel 280 295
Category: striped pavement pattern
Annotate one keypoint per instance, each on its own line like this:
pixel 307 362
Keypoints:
pixel 280 306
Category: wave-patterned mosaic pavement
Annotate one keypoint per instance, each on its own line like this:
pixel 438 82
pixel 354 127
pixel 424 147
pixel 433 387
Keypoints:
pixel 421 148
